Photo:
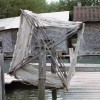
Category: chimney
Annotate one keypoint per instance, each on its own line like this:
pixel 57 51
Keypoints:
pixel 79 4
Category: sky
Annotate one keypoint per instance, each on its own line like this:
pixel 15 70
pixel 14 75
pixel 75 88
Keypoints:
pixel 52 0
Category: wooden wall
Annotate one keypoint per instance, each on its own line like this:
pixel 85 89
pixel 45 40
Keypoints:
pixel 8 39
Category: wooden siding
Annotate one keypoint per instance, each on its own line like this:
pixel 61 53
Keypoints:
pixel 8 38
pixel 86 13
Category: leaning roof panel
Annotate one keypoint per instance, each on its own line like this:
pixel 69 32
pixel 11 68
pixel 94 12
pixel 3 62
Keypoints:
pixel 13 22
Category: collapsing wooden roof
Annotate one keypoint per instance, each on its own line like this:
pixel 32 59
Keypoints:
pixel 20 66
pixel 13 22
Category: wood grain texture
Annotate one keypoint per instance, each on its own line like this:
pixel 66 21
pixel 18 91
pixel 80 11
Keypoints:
pixel 2 85
pixel 84 86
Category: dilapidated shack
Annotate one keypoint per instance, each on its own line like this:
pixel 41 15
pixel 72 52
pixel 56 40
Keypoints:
pixel 33 28
pixel 10 26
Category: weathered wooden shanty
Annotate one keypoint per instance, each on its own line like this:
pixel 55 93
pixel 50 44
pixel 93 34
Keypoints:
pixel 8 35
pixel 34 26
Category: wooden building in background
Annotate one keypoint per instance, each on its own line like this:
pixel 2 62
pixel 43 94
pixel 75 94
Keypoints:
pixel 8 35
pixel 90 15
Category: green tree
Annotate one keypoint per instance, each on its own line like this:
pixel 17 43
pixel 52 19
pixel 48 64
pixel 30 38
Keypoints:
pixel 11 8
pixel 69 4
pixel 53 7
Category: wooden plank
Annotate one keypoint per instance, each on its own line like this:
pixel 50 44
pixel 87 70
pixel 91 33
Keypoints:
pixel 53 70
pixel 53 64
pixel 71 71
pixel 79 67
pixel 84 86
pixel 30 73
pixel 71 52
pixel 68 65
pixel 42 74
pixel 2 85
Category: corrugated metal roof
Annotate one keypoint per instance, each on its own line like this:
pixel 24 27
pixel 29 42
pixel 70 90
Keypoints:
pixel 13 22
pixel 9 23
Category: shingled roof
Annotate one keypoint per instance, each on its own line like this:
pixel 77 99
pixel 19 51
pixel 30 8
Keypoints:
pixel 86 13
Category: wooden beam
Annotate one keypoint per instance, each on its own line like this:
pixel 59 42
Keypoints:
pixel 71 71
pixel 53 64
pixel 2 85
pixel 42 75
pixel 71 52
pixel 53 70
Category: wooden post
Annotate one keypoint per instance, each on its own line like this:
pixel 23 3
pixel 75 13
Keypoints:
pixel 71 52
pixel 42 74
pixel 2 85
pixel 69 43
pixel 53 70
pixel 54 94
pixel 53 64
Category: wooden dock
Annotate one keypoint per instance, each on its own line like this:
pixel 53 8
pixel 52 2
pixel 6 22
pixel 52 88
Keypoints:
pixel 84 86
pixel 79 67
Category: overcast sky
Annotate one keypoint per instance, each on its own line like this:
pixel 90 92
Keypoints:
pixel 52 0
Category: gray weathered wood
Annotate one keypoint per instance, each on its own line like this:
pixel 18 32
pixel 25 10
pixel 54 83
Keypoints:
pixel 2 85
pixel 54 94
pixel 53 70
pixel 71 54
pixel 53 64
pixel 42 75
pixel 74 61
pixel 84 86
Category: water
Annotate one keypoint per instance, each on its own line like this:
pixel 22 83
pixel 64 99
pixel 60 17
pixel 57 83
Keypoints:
pixel 15 93
pixel 89 59
pixel 32 94
pixel 7 65
pixel 21 94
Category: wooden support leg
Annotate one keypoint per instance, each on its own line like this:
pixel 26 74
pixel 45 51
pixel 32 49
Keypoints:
pixel 71 52
pixel 54 94
pixel 42 75
pixel 2 84
pixel 53 70
pixel 53 65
